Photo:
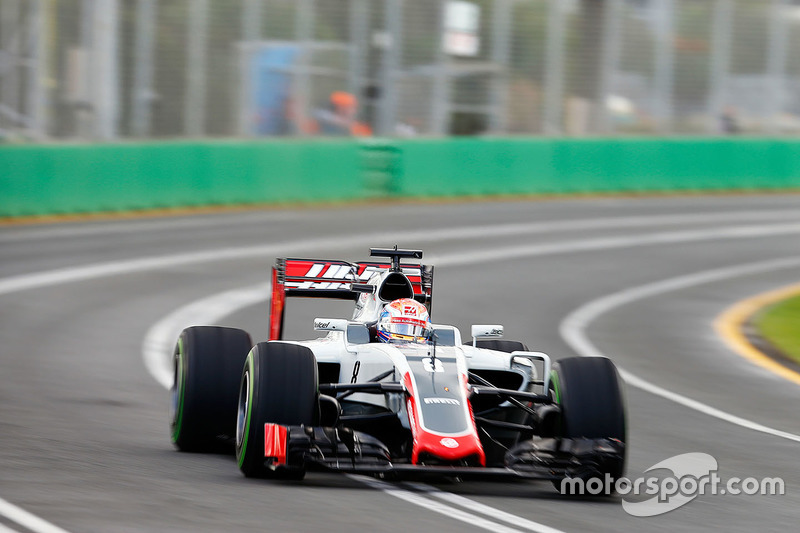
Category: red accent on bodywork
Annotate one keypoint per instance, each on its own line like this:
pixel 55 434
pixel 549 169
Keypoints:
pixel 275 442
pixel 276 307
pixel 431 443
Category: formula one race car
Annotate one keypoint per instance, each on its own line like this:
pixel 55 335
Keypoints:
pixel 387 392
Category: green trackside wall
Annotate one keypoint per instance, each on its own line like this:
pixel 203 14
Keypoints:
pixel 543 166
pixel 59 179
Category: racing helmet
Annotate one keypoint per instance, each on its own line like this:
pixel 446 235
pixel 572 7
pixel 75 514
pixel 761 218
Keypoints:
pixel 404 320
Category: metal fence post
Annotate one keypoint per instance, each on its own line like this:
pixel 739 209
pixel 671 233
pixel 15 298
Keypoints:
pixel 391 62
pixel 251 20
pixel 359 29
pixel 9 66
pixel 664 64
pixel 501 30
pixel 36 103
pixel 194 114
pixel 440 110
pixel 612 43
pixel 105 68
pixel 720 59
pixel 85 109
pixel 776 64
pixel 304 35
pixel 554 74
pixel 142 96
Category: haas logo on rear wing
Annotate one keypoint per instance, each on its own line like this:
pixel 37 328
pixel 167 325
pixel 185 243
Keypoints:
pixel 305 275
pixel 312 278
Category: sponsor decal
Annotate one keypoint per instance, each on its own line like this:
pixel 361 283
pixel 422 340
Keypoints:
pixel 447 442
pixel 322 285
pixel 338 276
pixel 441 401
pixel 322 325
pixel 409 310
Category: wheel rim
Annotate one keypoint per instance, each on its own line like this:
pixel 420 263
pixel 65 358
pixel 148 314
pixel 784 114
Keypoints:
pixel 244 404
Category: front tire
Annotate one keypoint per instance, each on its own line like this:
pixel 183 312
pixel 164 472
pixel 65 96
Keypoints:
pixel 589 393
pixel 207 365
pixel 279 385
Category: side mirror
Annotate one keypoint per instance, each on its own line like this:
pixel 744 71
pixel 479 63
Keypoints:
pixel 354 333
pixel 357 334
pixel 485 331
pixel 446 335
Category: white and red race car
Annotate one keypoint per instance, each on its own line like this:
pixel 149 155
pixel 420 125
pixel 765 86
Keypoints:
pixel 348 402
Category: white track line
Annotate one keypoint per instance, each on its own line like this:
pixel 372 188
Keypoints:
pixel 26 519
pixel 478 507
pixel 617 242
pixel 14 234
pixel 437 507
pixel 73 274
pixel 573 330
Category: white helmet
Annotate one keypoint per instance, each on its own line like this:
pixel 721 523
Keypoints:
pixel 404 320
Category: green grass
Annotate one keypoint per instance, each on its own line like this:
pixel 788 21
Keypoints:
pixel 780 325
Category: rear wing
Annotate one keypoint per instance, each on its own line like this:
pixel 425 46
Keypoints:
pixel 342 280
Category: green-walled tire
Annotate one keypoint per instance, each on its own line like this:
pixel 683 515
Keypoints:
pixel 207 365
pixel 279 385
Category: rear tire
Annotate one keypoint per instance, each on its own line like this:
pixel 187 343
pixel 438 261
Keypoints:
pixel 588 391
pixel 279 385
pixel 207 365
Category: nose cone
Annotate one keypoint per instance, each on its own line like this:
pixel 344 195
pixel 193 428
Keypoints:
pixel 433 449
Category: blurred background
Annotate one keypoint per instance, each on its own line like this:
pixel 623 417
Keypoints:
pixel 104 70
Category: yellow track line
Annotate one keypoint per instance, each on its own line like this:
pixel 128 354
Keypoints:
pixel 729 327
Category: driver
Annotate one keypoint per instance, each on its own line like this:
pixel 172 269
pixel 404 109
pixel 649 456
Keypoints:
pixel 404 320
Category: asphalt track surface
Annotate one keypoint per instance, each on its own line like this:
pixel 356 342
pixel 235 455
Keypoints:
pixel 84 443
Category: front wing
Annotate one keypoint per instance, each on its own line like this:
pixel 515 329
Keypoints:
pixel 345 450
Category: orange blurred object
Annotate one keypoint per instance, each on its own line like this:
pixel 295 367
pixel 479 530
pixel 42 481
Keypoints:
pixel 359 129
pixel 343 99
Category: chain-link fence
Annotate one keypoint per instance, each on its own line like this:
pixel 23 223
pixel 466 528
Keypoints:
pixel 111 69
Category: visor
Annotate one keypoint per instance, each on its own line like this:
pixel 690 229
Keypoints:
pixel 408 330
